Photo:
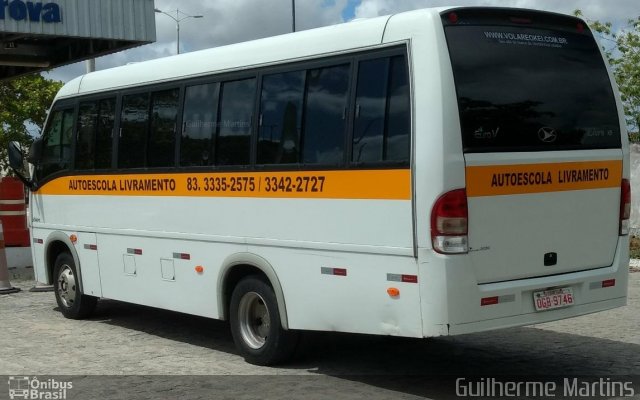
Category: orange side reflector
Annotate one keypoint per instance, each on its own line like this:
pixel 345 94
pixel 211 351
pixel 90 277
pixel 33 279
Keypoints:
pixel 393 292
pixel 199 269
pixel 73 239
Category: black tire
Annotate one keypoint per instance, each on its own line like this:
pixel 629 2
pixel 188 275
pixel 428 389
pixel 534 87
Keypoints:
pixel 72 303
pixel 255 323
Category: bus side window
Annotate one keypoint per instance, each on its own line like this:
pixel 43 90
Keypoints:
pixel 371 105
pixel 233 145
pixel 104 132
pixel 280 121
pixel 382 120
pixel 164 117
pixel 85 146
pixel 56 149
pixel 325 117
pixel 95 134
pixel 133 131
pixel 199 122
pixel 397 144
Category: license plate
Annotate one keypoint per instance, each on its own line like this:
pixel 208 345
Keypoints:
pixel 551 299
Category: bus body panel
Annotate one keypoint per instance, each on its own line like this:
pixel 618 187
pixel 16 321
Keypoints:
pixel 298 243
pixel 284 222
pixel 38 253
pixel 514 232
pixel 86 249
pixel 438 164
pixel 357 302
pixel 151 271
pixel 133 270
pixel 542 147
pixel 525 226
pixel 517 297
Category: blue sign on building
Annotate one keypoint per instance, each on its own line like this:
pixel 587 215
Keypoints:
pixel 29 10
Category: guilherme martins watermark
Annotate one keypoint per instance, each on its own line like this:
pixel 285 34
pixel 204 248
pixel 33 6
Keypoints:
pixel 568 387
pixel 24 387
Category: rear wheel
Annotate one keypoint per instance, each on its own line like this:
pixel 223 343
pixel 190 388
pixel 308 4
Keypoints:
pixel 72 303
pixel 255 324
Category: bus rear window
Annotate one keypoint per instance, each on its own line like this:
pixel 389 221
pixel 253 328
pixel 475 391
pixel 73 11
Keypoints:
pixel 529 87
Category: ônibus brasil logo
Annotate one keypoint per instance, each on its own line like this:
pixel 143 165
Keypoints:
pixel 23 387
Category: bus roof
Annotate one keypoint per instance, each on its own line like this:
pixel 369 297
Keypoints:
pixel 357 34
pixel 287 47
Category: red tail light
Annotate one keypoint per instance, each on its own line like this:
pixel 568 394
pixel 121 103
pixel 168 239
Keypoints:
pixel 449 220
pixel 625 206
pixel 609 283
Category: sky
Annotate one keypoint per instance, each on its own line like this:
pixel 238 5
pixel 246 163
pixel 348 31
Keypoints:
pixel 232 21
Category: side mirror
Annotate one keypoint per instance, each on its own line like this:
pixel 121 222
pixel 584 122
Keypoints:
pixel 16 162
pixel 35 152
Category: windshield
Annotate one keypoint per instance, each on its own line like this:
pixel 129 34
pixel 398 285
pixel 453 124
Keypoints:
pixel 530 86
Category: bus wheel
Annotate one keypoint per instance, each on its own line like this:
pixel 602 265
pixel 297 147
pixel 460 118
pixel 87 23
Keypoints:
pixel 255 324
pixel 72 303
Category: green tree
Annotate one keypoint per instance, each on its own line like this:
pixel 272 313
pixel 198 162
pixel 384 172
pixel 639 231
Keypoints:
pixel 622 48
pixel 23 102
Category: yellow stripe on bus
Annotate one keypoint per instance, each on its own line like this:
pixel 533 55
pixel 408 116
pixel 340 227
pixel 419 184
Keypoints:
pixel 496 180
pixel 392 184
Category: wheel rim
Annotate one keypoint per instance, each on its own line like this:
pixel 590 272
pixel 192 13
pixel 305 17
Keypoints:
pixel 254 319
pixel 67 286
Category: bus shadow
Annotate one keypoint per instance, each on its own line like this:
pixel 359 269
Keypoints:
pixel 430 367
pixel 198 331
pixel 421 367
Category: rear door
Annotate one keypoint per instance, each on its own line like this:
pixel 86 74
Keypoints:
pixel 542 143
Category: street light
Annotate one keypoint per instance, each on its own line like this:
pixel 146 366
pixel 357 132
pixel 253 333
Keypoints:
pixel 293 15
pixel 180 16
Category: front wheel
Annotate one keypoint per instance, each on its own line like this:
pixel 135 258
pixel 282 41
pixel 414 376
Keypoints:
pixel 255 324
pixel 72 303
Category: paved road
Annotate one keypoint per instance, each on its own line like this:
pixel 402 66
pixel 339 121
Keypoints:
pixel 123 339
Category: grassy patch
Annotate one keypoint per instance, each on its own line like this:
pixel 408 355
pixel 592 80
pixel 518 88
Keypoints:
pixel 634 247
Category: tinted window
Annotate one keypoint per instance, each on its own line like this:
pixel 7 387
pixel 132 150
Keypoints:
pixel 522 88
pixel 95 130
pixel 371 106
pixel 281 118
pixel 199 124
pixel 86 144
pixel 56 146
pixel 134 122
pixel 325 115
pixel 164 115
pixel 397 144
pixel 382 122
pixel 104 132
pixel 234 126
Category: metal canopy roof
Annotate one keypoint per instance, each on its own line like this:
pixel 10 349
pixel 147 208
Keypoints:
pixel 38 35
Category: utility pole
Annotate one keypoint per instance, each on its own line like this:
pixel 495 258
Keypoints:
pixel 293 15
pixel 178 19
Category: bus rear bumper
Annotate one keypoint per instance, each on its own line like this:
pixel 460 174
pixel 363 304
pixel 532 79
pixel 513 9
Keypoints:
pixel 537 317
pixel 468 307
